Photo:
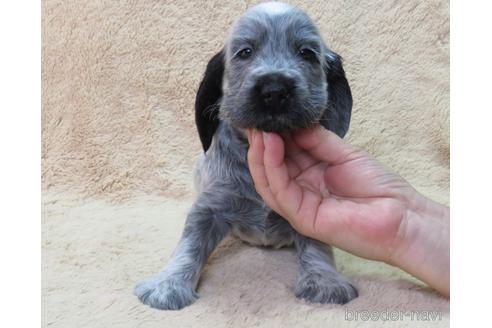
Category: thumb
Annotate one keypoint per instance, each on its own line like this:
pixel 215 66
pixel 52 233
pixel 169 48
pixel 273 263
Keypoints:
pixel 324 145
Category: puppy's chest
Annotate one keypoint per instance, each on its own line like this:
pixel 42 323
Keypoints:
pixel 224 172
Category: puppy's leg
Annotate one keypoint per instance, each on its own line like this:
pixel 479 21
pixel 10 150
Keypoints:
pixel 318 280
pixel 174 287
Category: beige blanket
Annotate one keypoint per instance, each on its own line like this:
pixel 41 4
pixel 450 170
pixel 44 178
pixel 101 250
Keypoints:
pixel 119 145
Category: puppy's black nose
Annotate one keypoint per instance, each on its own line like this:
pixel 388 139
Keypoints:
pixel 274 95
pixel 274 91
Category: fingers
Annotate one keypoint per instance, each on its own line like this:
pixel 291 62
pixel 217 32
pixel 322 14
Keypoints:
pixel 297 155
pixel 324 145
pixel 256 166
pixel 287 193
pixel 273 157
pixel 271 173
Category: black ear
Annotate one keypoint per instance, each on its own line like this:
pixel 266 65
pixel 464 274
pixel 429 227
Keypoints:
pixel 207 100
pixel 339 108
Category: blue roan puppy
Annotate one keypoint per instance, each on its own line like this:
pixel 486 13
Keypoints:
pixel 274 73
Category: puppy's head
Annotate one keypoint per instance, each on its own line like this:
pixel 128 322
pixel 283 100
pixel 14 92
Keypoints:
pixel 276 74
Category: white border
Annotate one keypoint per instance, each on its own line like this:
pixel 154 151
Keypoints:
pixel 471 163
pixel 471 166
pixel 20 129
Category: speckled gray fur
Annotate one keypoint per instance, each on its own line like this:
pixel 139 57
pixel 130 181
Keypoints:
pixel 228 202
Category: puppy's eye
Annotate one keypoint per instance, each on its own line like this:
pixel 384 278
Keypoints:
pixel 245 53
pixel 307 54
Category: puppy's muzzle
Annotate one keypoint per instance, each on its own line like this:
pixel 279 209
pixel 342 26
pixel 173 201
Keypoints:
pixel 273 92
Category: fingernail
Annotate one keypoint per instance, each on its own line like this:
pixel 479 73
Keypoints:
pixel 266 136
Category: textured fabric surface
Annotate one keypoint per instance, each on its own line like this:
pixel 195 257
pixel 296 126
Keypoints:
pixel 119 146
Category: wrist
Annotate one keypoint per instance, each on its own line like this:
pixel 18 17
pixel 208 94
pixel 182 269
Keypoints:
pixel 422 245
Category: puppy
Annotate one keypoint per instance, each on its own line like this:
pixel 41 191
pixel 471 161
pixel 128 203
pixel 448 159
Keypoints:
pixel 274 73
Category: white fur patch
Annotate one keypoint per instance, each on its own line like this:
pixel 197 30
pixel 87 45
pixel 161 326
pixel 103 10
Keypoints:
pixel 274 8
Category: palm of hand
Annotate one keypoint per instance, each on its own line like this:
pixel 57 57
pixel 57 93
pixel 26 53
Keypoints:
pixel 352 202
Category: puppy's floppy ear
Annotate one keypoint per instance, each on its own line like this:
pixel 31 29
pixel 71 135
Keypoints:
pixel 339 108
pixel 207 100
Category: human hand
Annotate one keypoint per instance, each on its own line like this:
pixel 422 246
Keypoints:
pixel 332 192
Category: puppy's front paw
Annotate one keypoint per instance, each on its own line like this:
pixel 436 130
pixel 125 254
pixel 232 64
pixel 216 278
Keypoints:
pixel 325 289
pixel 165 293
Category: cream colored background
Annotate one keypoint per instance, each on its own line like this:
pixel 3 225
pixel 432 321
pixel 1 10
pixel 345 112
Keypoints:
pixel 119 145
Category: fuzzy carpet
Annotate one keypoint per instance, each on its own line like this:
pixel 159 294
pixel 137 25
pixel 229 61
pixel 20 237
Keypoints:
pixel 119 145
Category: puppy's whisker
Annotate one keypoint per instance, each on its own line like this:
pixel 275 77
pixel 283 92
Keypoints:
pixel 210 110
